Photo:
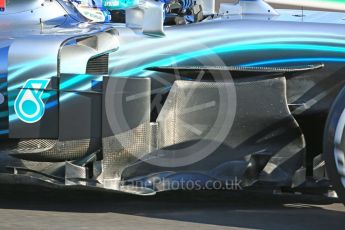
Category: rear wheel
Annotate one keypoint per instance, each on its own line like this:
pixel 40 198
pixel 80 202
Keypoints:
pixel 334 145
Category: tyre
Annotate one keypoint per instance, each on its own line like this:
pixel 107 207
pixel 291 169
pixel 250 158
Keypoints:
pixel 334 145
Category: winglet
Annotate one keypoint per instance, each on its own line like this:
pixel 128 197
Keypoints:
pixel 210 72
pixel 148 16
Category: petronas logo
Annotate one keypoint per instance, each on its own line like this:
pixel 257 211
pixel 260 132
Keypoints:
pixel 28 105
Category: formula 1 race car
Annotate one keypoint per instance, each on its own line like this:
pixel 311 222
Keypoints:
pixel 171 94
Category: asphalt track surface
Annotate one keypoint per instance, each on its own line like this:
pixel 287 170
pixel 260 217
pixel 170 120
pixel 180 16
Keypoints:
pixel 35 208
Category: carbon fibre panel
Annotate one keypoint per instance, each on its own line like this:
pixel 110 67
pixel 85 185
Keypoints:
pixel 44 150
pixel 125 125
pixel 264 138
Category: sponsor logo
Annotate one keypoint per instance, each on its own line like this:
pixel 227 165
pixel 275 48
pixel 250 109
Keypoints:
pixel 28 105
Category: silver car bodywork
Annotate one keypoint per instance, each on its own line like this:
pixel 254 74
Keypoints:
pixel 237 97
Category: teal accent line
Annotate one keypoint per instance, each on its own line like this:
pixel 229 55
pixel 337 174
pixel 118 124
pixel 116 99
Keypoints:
pixel 3 132
pixel 74 80
pixel 20 85
pixel 3 114
pixel 229 48
pixel 294 60
pixel 253 40
pixel 17 70
pixel 216 35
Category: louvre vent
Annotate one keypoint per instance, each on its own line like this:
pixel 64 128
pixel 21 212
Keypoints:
pixel 98 65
